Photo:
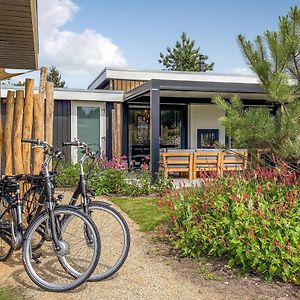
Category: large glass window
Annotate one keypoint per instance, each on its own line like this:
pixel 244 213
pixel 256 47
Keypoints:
pixel 88 125
pixel 139 132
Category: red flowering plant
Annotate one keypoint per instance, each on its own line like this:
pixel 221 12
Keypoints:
pixel 251 218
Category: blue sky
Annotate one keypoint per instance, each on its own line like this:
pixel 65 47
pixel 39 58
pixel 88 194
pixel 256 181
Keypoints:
pixel 144 28
pixel 81 37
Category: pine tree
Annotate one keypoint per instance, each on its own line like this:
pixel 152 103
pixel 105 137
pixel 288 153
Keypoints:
pixel 184 56
pixel 275 58
pixel 55 77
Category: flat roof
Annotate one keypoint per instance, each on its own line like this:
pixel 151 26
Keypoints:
pixel 74 94
pixel 109 73
pixel 191 89
pixel 18 34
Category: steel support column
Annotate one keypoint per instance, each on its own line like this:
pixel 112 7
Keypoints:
pixel 154 129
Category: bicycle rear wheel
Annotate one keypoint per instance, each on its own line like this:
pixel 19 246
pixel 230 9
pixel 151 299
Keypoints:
pixel 44 268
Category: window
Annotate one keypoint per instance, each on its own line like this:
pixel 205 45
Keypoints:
pixel 206 138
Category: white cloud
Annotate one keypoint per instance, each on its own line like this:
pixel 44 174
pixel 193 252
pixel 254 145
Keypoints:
pixel 243 71
pixel 84 53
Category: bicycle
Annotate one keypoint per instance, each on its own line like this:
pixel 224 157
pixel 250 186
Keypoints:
pixel 57 225
pixel 115 235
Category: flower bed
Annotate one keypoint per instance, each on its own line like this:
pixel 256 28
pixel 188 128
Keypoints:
pixel 251 218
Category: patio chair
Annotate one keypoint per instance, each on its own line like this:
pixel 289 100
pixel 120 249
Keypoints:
pixel 178 160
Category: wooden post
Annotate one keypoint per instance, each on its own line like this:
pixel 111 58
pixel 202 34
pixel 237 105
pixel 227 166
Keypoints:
pixel 18 122
pixel 119 128
pixel 38 122
pixel 42 87
pixel 49 115
pixel 1 133
pixel 9 115
pixel 49 112
pixel 27 125
pixel 114 133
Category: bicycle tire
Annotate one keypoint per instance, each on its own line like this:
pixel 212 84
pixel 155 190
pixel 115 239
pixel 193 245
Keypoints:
pixel 59 213
pixel 109 264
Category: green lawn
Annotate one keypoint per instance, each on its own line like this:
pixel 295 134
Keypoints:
pixel 143 211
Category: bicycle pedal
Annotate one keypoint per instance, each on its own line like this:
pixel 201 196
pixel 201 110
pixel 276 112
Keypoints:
pixel 36 256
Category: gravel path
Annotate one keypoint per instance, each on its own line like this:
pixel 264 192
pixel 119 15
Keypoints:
pixel 149 273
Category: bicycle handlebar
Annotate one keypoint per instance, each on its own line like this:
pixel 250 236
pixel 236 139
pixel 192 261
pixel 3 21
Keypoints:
pixel 88 151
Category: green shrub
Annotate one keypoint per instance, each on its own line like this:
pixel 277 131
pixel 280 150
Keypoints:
pixel 67 175
pixel 125 183
pixel 252 219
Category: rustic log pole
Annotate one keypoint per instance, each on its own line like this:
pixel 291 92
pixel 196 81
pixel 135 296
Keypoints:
pixel 114 133
pixel 42 87
pixel 18 123
pixel 49 115
pixel 27 125
pixel 9 115
pixel 49 112
pixel 38 122
pixel 1 134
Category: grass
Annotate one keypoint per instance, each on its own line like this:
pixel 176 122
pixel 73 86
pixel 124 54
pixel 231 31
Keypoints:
pixel 9 293
pixel 143 211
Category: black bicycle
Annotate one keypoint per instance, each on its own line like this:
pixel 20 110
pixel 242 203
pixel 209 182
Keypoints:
pixel 114 231
pixel 69 237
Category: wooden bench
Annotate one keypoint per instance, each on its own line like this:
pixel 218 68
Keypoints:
pixel 234 160
pixel 210 160
pixel 206 160
pixel 178 161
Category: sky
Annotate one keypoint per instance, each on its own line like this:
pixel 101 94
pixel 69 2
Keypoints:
pixel 81 37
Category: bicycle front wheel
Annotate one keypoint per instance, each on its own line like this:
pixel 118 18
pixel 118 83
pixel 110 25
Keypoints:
pixel 115 240
pixel 81 253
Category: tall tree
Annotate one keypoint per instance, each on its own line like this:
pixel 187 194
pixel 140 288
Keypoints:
pixel 275 58
pixel 184 56
pixel 55 77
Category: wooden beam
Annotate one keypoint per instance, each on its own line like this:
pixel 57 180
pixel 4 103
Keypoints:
pixel 18 122
pixel 119 129
pixel 9 115
pixel 27 125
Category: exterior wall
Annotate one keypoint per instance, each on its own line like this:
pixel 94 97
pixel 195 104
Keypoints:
pixel 204 116
pixel 125 85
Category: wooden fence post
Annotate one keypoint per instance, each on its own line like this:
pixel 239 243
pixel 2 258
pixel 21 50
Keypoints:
pixel 9 114
pixel 49 115
pixel 1 134
pixel 27 125
pixel 42 90
pixel 18 122
pixel 49 112
pixel 38 122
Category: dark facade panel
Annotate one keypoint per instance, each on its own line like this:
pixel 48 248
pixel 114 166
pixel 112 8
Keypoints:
pixel 62 126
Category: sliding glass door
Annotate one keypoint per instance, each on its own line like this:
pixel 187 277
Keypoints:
pixel 171 135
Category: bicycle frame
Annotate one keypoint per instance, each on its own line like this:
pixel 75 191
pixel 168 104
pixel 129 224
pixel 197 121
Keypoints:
pixel 81 187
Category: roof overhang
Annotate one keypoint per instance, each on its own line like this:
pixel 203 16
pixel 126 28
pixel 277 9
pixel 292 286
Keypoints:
pixel 194 89
pixel 144 75
pixel 18 34
pixel 74 94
